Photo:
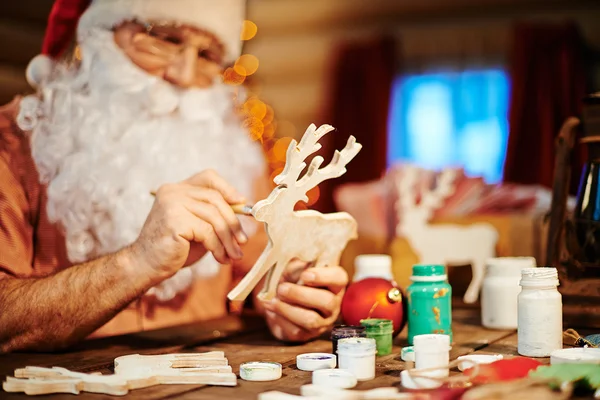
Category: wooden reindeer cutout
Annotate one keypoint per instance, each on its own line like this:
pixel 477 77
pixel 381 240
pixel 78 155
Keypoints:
pixel 131 372
pixel 447 243
pixel 306 235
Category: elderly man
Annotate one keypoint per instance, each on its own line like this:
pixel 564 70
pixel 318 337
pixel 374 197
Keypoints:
pixel 85 250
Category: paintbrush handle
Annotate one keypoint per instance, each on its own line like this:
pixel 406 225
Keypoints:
pixel 243 209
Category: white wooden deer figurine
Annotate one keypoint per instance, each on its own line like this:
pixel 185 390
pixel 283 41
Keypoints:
pixel 307 235
pixel 442 244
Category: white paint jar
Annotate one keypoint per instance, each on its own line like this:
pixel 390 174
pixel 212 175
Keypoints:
pixel 500 290
pixel 373 266
pixel 432 351
pixel 539 330
pixel 357 355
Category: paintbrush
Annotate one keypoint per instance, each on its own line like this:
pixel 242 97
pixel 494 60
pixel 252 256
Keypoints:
pixel 242 209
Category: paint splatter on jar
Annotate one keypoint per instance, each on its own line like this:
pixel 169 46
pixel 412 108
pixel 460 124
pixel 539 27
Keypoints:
pixel 429 302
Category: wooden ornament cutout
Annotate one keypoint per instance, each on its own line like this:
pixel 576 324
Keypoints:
pixel 444 243
pixel 307 235
pixel 131 372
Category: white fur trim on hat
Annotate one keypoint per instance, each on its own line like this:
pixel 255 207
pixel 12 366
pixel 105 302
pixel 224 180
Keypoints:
pixel 223 18
pixel 39 69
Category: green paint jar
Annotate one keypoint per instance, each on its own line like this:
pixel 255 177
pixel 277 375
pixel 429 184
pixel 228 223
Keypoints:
pixel 429 302
pixel 381 330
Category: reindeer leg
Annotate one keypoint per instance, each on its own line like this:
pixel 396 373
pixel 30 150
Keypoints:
pixel 269 289
pixel 472 293
pixel 249 282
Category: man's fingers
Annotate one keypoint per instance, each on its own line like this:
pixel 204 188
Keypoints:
pixel 212 180
pixel 209 213
pixel 308 297
pixel 216 199
pixel 302 317
pixel 293 270
pixel 202 232
pixel 283 329
pixel 334 277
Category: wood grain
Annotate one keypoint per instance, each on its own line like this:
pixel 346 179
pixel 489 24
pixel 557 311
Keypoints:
pixel 246 340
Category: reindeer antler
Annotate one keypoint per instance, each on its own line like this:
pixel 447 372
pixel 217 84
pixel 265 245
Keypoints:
pixel 297 153
pixel 295 164
pixel 406 185
pixel 430 199
pixel 444 188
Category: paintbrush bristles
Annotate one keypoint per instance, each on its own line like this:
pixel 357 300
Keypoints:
pixel 243 209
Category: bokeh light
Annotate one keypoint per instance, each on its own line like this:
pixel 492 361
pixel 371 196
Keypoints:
pixel 276 172
pixel 246 65
pixel 269 115
pixel 300 206
pixel 254 126
pixel 256 108
pixel 249 30
pixel 286 128
pixel 313 195
pixel 280 148
pixel 231 77
pixel 270 129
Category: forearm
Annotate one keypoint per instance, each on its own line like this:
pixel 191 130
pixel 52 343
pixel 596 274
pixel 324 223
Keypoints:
pixel 61 309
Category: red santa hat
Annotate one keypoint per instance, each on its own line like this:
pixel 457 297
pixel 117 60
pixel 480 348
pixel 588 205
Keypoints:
pixel 223 18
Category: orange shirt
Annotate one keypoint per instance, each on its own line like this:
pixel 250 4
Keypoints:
pixel 30 246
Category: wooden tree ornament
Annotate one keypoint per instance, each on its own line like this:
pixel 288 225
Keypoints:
pixel 307 235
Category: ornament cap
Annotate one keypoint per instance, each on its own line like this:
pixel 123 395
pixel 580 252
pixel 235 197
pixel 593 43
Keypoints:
pixel 394 295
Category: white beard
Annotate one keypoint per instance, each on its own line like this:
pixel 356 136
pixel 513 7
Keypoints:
pixel 107 134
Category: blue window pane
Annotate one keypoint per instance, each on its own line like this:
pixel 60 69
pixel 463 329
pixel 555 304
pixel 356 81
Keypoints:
pixel 451 119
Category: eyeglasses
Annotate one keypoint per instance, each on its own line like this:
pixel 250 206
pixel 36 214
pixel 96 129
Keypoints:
pixel 166 42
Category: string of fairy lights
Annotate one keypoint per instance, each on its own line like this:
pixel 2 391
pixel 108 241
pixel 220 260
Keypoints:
pixel 259 117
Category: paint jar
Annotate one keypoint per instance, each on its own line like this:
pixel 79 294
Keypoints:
pixel 429 302
pixel 344 332
pixel 500 291
pixel 539 330
pixel 373 266
pixel 381 330
pixel 433 351
pixel 357 355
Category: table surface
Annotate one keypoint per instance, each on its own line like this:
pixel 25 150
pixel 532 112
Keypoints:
pixel 242 339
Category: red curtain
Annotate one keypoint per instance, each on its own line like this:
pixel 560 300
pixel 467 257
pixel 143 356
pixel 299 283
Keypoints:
pixel 548 84
pixel 359 100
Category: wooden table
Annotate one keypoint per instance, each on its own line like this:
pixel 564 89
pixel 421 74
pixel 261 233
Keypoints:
pixel 242 339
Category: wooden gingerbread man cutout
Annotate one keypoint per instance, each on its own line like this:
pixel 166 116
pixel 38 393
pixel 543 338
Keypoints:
pixel 307 235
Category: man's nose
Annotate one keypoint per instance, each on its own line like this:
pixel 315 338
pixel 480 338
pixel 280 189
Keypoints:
pixel 182 70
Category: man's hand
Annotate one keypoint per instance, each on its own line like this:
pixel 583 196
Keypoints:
pixel 187 220
pixel 303 312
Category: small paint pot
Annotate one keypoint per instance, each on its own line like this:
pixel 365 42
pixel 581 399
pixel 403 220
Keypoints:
pixel 576 355
pixel 334 378
pixel 382 331
pixel 258 371
pixel 357 355
pixel 408 354
pixel 432 351
pixel 430 381
pixel 344 332
pixel 315 361
pixel 470 360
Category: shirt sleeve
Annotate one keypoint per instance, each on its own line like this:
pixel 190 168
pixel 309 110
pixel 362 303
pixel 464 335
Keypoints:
pixel 16 231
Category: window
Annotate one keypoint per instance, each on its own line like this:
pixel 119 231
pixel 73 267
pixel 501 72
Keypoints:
pixel 451 119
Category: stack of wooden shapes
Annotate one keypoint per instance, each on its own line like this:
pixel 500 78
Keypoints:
pixel 131 372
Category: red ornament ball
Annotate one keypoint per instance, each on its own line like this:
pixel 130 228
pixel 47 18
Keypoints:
pixel 374 298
